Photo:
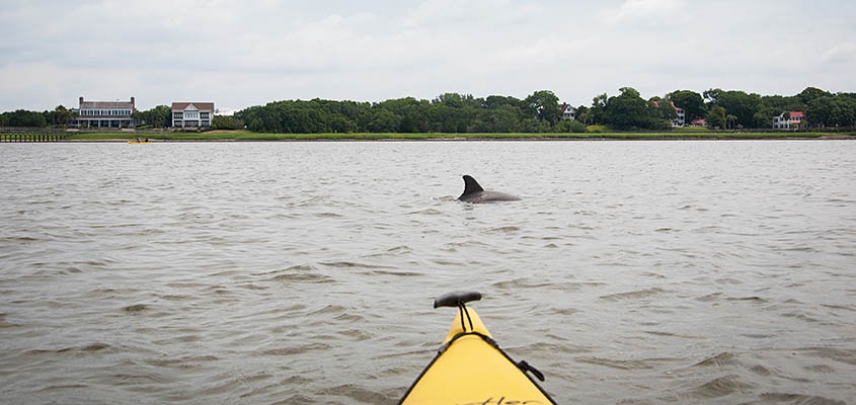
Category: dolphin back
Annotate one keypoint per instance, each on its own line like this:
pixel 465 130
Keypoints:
pixel 471 185
pixel 474 193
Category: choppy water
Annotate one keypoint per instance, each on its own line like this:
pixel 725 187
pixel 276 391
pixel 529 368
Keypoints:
pixel 288 273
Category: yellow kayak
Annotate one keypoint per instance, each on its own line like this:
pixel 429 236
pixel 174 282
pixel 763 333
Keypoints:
pixel 139 142
pixel 471 369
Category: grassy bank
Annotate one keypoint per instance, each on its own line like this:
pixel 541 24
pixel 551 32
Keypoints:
pixel 246 136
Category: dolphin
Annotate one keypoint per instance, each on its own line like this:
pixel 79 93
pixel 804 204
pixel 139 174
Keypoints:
pixel 474 193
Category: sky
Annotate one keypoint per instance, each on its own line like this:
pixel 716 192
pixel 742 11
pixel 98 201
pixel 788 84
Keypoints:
pixel 239 54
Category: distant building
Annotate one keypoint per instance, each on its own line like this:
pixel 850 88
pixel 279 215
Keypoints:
pixel 568 112
pixel 698 123
pixel 789 120
pixel 681 118
pixel 192 115
pixel 104 114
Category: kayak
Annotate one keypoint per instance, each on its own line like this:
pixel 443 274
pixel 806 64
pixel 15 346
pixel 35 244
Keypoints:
pixel 470 368
pixel 139 142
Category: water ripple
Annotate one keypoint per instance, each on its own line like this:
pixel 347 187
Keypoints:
pixel 632 272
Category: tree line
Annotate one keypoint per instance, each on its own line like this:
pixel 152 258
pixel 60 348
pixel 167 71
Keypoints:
pixel 449 112
pixel 58 117
pixel 736 109
pixel 540 112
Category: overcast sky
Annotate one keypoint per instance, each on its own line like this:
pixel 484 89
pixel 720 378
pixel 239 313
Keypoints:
pixel 244 53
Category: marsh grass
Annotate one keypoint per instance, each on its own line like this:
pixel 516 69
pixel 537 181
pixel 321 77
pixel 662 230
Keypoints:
pixel 246 136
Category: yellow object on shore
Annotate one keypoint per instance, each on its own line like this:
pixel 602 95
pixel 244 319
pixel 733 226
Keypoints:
pixel 471 369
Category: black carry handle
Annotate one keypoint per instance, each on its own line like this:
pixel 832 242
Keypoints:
pixel 456 299
pixel 459 300
pixel 523 365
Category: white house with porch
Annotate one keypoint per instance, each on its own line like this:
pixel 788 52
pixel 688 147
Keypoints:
pixel 568 111
pixel 681 118
pixel 789 120
pixel 104 114
pixel 192 114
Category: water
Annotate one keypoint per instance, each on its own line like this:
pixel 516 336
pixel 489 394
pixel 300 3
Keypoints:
pixel 286 273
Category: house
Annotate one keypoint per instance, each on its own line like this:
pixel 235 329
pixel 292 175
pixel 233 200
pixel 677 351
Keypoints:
pixel 103 114
pixel 698 123
pixel 568 112
pixel 789 120
pixel 192 115
pixel 681 118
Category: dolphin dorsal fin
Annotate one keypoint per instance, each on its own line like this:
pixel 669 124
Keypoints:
pixel 471 185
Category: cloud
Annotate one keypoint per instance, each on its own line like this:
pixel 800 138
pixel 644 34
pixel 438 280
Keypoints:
pixel 473 15
pixel 58 85
pixel 649 12
pixel 248 53
pixel 842 53
pixel 29 85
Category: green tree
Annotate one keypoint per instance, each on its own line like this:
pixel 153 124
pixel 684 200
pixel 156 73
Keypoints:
pixel 809 94
pixel 256 125
pixel 716 117
pixel 690 101
pixel 450 119
pixel 571 126
pixel 583 115
pixel 775 104
pixel 495 101
pixel 413 114
pixel 226 122
pixel 24 118
pixel 730 121
pixel 831 111
pixel 762 118
pixel 452 100
pixel 60 116
pixel 159 116
pixel 505 118
pixel 627 111
pixel 383 121
pixel 741 105
pixel 598 109
pixel 544 105
pixel 342 124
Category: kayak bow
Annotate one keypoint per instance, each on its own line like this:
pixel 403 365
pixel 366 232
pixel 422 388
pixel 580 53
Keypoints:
pixel 471 369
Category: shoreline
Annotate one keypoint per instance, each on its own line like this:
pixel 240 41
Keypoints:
pixel 476 139
pixel 245 136
pixel 605 139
